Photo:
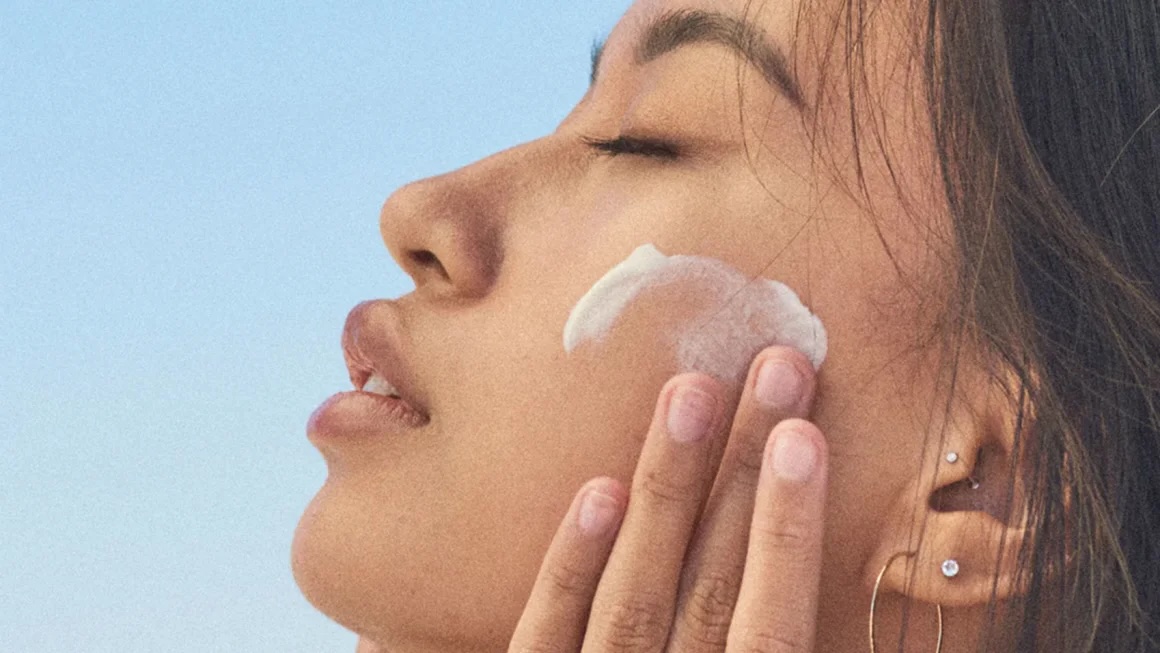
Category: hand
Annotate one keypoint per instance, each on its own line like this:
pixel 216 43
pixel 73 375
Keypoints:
pixel 744 577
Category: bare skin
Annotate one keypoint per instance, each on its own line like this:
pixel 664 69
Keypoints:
pixel 750 581
pixel 757 522
pixel 462 535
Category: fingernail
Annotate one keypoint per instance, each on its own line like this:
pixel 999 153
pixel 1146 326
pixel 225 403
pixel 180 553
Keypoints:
pixel 597 513
pixel 794 457
pixel 690 414
pixel 779 384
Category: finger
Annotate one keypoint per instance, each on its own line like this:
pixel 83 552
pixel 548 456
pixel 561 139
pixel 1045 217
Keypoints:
pixel 633 606
pixel 556 614
pixel 780 385
pixel 778 604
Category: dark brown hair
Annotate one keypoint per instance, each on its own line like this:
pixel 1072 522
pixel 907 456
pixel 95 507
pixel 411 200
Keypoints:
pixel 1046 122
pixel 1047 129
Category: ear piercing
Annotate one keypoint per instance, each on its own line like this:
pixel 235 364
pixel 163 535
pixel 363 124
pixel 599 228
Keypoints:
pixel 952 457
pixel 950 568
pixel 874 603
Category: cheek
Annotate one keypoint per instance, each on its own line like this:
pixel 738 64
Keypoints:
pixel 690 315
pixel 514 466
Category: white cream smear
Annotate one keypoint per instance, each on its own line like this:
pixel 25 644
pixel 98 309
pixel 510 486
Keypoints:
pixel 742 317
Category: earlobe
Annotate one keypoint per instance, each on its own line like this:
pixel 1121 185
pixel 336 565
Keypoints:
pixel 966 559
pixel 962 518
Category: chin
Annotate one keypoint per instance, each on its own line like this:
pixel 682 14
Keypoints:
pixel 327 570
pixel 358 576
pixel 346 569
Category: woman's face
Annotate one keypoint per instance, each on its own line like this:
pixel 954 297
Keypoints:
pixel 429 533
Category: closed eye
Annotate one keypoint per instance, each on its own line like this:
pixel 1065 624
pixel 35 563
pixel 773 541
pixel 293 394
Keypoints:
pixel 635 146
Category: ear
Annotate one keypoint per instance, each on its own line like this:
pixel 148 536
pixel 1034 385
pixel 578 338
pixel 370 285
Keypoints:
pixel 966 503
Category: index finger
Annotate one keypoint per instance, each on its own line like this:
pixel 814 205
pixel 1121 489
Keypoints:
pixel 778 603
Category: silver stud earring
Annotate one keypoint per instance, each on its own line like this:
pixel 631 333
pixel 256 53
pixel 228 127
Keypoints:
pixel 973 482
pixel 952 457
pixel 950 568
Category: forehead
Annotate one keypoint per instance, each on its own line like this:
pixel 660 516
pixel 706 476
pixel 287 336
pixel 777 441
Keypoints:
pixel 875 83
pixel 774 16
pixel 775 24
pixel 811 38
pixel 731 6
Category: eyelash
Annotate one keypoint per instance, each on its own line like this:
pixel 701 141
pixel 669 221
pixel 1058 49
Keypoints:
pixel 652 149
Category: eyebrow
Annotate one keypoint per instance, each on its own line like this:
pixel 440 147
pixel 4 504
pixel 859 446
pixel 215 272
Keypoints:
pixel 676 29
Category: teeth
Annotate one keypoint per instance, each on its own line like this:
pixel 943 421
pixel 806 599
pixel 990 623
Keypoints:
pixel 378 385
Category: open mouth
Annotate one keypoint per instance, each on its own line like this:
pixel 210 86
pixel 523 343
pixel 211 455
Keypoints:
pixel 380 386
pixel 372 348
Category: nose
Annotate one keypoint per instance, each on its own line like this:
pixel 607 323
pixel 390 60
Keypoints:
pixel 446 232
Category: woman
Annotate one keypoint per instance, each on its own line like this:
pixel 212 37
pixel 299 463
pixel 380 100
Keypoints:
pixel 967 447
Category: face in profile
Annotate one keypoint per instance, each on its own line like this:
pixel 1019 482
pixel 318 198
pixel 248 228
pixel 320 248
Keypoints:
pixel 439 505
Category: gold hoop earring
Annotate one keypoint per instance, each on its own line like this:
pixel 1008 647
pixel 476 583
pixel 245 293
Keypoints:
pixel 874 602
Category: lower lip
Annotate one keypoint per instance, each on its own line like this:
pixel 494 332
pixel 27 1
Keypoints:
pixel 361 414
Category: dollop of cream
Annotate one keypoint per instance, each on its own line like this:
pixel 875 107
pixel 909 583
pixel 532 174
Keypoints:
pixel 741 316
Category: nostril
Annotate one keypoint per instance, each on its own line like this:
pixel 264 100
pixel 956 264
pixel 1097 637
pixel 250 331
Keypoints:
pixel 427 261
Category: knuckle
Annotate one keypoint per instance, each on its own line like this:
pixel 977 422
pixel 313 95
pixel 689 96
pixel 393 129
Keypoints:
pixel 708 609
pixel 541 644
pixel 771 641
pixel 634 622
pixel 750 457
pixel 789 535
pixel 567 579
pixel 666 489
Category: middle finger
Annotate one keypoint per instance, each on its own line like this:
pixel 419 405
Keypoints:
pixel 780 386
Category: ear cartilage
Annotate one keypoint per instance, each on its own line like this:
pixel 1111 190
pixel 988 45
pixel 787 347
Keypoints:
pixel 952 457
pixel 950 568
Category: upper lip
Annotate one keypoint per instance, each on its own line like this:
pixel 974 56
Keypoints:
pixel 370 346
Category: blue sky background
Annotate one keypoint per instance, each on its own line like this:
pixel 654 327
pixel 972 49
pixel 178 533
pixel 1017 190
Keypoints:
pixel 189 197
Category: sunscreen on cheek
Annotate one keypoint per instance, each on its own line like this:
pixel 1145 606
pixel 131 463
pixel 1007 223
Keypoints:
pixel 741 316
